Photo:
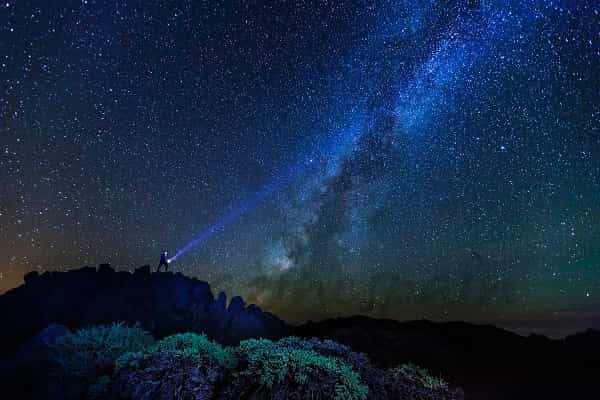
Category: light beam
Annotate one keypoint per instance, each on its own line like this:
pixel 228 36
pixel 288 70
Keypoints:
pixel 322 151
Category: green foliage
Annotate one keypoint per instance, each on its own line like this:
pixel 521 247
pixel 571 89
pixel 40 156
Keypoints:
pixel 196 345
pixel 190 344
pixel 130 359
pixel 90 352
pixel 291 367
pixel 100 389
pixel 274 362
pixel 293 342
pixel 419 375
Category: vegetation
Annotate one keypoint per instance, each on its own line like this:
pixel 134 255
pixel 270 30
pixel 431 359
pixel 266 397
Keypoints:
pixel 276 363
pixel 196 345
pixel 419 375
pixel 91 352
pixel 170 375
pixel 126 360
pixel 188 344
pixel 129 360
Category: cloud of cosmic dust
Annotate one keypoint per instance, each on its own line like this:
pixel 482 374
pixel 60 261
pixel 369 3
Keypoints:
pixel 377 220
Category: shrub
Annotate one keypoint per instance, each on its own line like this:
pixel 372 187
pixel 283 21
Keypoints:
pixel 195 345
pixel 169 375
pixel 186 365
pixel 189 365
pixel 419 375
pixel 91 352
pixel 373 378
pixel 299 370
pixel 129 360
pixel 328 348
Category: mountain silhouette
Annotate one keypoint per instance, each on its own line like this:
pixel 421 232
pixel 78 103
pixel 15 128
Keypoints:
pixel 486 361
pixel 162 303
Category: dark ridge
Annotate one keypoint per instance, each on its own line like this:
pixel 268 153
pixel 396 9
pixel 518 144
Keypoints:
pixel 162 303
pixel 487 362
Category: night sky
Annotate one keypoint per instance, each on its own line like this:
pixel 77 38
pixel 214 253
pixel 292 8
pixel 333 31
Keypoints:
pixel 399 159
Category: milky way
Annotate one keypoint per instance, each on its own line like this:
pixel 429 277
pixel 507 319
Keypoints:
pixel 398 159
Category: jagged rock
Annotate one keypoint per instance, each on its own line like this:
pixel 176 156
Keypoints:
pixel 163 303
pixel 144 270
pixel 30 277
pixel 237 305
pixel 106 268
pixel 221 302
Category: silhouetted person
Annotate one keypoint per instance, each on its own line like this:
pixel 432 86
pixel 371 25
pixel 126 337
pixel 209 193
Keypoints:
pixel 163 261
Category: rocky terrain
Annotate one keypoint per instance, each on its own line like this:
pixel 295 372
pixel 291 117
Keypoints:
pixel 161 303
pixel 486 362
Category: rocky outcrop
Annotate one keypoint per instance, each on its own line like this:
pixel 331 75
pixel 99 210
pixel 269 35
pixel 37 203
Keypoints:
pixel 162 303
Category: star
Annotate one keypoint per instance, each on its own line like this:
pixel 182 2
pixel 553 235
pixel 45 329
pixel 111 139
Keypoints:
pixel 335 158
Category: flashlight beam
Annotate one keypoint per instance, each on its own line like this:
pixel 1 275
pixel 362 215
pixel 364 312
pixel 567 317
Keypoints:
pixel 321 151
pixel 237 212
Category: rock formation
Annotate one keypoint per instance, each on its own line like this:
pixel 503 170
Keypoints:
pixel 162 303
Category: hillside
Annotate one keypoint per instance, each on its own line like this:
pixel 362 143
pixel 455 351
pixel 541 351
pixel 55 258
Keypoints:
pixel 488 362
pixel 162 303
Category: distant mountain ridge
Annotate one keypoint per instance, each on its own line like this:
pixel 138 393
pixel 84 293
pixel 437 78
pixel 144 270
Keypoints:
pixel 162 303
pixel 486 361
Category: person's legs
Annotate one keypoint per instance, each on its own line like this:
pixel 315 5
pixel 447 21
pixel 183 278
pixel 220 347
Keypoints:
pixel 166 265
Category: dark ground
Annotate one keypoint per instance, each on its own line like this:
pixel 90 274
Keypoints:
pixel 487 362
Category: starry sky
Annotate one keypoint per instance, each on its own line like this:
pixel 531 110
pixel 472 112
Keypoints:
pixel 399 159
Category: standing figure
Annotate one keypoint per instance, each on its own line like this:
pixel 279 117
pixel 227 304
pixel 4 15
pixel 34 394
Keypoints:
pixel 163 261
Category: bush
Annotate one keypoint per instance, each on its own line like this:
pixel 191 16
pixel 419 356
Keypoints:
pixel 169 375
pixel 420 376
pixel 129 360
pixel 404 382
pixel 91 352
pixel 195 345
pixel 126 361
pixel 298 371
pixel 373 378
pixel 187 344
pixel 329 348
